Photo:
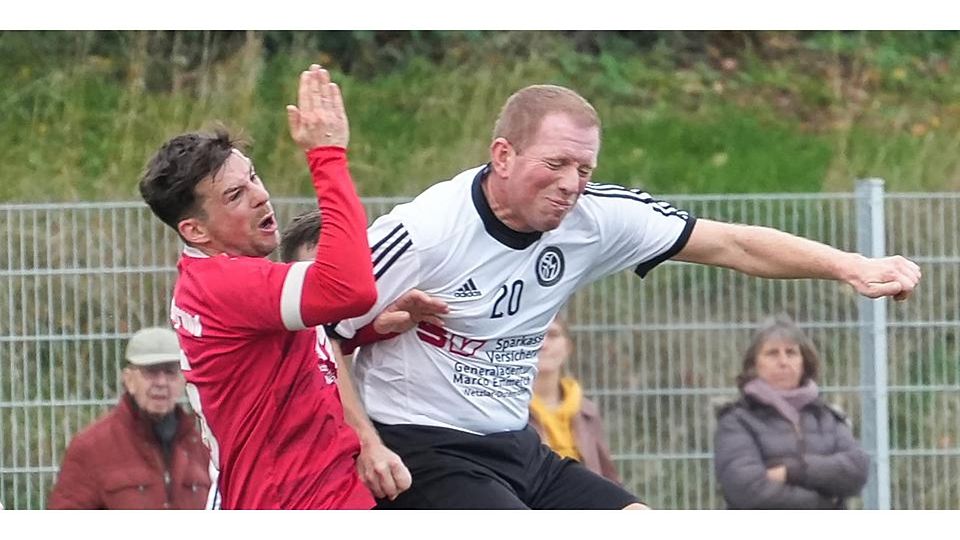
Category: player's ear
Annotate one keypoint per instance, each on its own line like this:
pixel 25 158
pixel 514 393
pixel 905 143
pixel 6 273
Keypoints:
pixel 193 231
pixel 502 155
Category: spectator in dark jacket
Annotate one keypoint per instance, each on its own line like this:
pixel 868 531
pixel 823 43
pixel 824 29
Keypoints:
pixel 780 445
pixel 146 453
pixel 566 420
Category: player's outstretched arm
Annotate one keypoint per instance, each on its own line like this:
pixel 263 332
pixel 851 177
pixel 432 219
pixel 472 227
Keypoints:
pixel 769 253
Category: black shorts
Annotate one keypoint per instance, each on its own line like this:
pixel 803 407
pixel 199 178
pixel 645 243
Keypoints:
pixel 452 469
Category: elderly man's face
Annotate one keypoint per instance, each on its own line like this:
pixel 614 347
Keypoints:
pixel 156 388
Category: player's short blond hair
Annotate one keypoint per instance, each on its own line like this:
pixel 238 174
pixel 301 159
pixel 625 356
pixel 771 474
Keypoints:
pixel 524 111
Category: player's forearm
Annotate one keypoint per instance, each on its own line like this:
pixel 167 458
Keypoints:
pixel 770 253
pixel 340 283
pixel 365 336
pixel 353 412
pixel 765 252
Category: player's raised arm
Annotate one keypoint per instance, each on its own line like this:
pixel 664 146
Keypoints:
pixel 339 282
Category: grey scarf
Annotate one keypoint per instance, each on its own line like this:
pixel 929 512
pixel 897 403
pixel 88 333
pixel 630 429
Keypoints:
pixel 787 402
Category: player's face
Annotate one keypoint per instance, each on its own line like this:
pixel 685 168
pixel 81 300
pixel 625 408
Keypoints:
pixel 156 388
pixel 550 173
pixel 555 350
pixel 780 363
pixel 238 218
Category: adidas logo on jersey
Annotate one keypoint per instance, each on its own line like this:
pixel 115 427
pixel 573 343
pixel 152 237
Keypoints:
pixel 467 290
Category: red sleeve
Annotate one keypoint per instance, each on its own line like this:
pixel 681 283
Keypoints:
pixel 364 336
pixel 339 284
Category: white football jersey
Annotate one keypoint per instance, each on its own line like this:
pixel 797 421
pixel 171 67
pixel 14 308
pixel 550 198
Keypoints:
pixel 503 287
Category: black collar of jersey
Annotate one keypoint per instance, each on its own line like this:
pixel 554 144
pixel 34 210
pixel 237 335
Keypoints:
pixel 495 228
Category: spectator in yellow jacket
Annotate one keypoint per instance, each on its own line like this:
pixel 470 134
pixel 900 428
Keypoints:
pixel 567 421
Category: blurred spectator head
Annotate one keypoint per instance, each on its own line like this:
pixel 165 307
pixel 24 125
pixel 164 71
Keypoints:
pixel 781 355
pixel 152 374
pixel 557 348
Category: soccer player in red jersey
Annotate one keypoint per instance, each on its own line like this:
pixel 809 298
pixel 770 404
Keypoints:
pixel 260 372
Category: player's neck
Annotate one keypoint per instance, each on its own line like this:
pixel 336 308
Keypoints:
pixel 497 200
pixel 207 250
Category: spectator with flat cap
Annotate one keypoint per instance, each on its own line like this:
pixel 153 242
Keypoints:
pixel 146 452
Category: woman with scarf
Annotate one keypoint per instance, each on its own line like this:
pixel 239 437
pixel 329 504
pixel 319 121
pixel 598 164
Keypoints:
pixel 780 446
pixel 568 422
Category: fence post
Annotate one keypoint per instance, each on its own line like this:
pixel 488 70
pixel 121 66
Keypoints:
pixel 875 434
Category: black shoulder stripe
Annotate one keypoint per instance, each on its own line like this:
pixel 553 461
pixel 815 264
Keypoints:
pixel 386 266
pixel 389 248
pixel 662 207
pixel 597 186
pixel 387 237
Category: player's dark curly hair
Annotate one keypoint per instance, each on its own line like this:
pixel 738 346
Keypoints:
pixel 168 185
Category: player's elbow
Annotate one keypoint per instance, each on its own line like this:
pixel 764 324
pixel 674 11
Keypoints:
pixel 334 296
pixel 366 298
pixel 360 298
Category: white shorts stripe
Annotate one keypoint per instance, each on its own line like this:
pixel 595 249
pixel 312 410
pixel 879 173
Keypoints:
pixel 290 296
pixel 214 499
pixel 210 441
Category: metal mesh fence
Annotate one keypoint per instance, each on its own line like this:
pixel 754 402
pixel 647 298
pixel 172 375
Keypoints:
pixel 658 355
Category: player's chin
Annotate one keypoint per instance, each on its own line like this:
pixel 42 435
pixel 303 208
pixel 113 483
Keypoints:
pixel 551 222
pixel 267 244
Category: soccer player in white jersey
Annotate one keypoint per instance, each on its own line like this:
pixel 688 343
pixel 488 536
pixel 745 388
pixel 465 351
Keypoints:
pixel 260 371
pixel 505 245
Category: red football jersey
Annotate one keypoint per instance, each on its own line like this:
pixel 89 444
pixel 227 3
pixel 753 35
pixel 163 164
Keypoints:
pixel 260 372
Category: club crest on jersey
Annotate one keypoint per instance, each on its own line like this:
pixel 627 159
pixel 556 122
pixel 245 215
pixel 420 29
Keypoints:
pixel 550 266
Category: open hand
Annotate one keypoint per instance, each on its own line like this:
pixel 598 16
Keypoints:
pixel 407 311
pixel 319 119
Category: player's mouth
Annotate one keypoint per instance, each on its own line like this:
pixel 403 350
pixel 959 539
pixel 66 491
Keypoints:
pixel 560 205
pixel 268 224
